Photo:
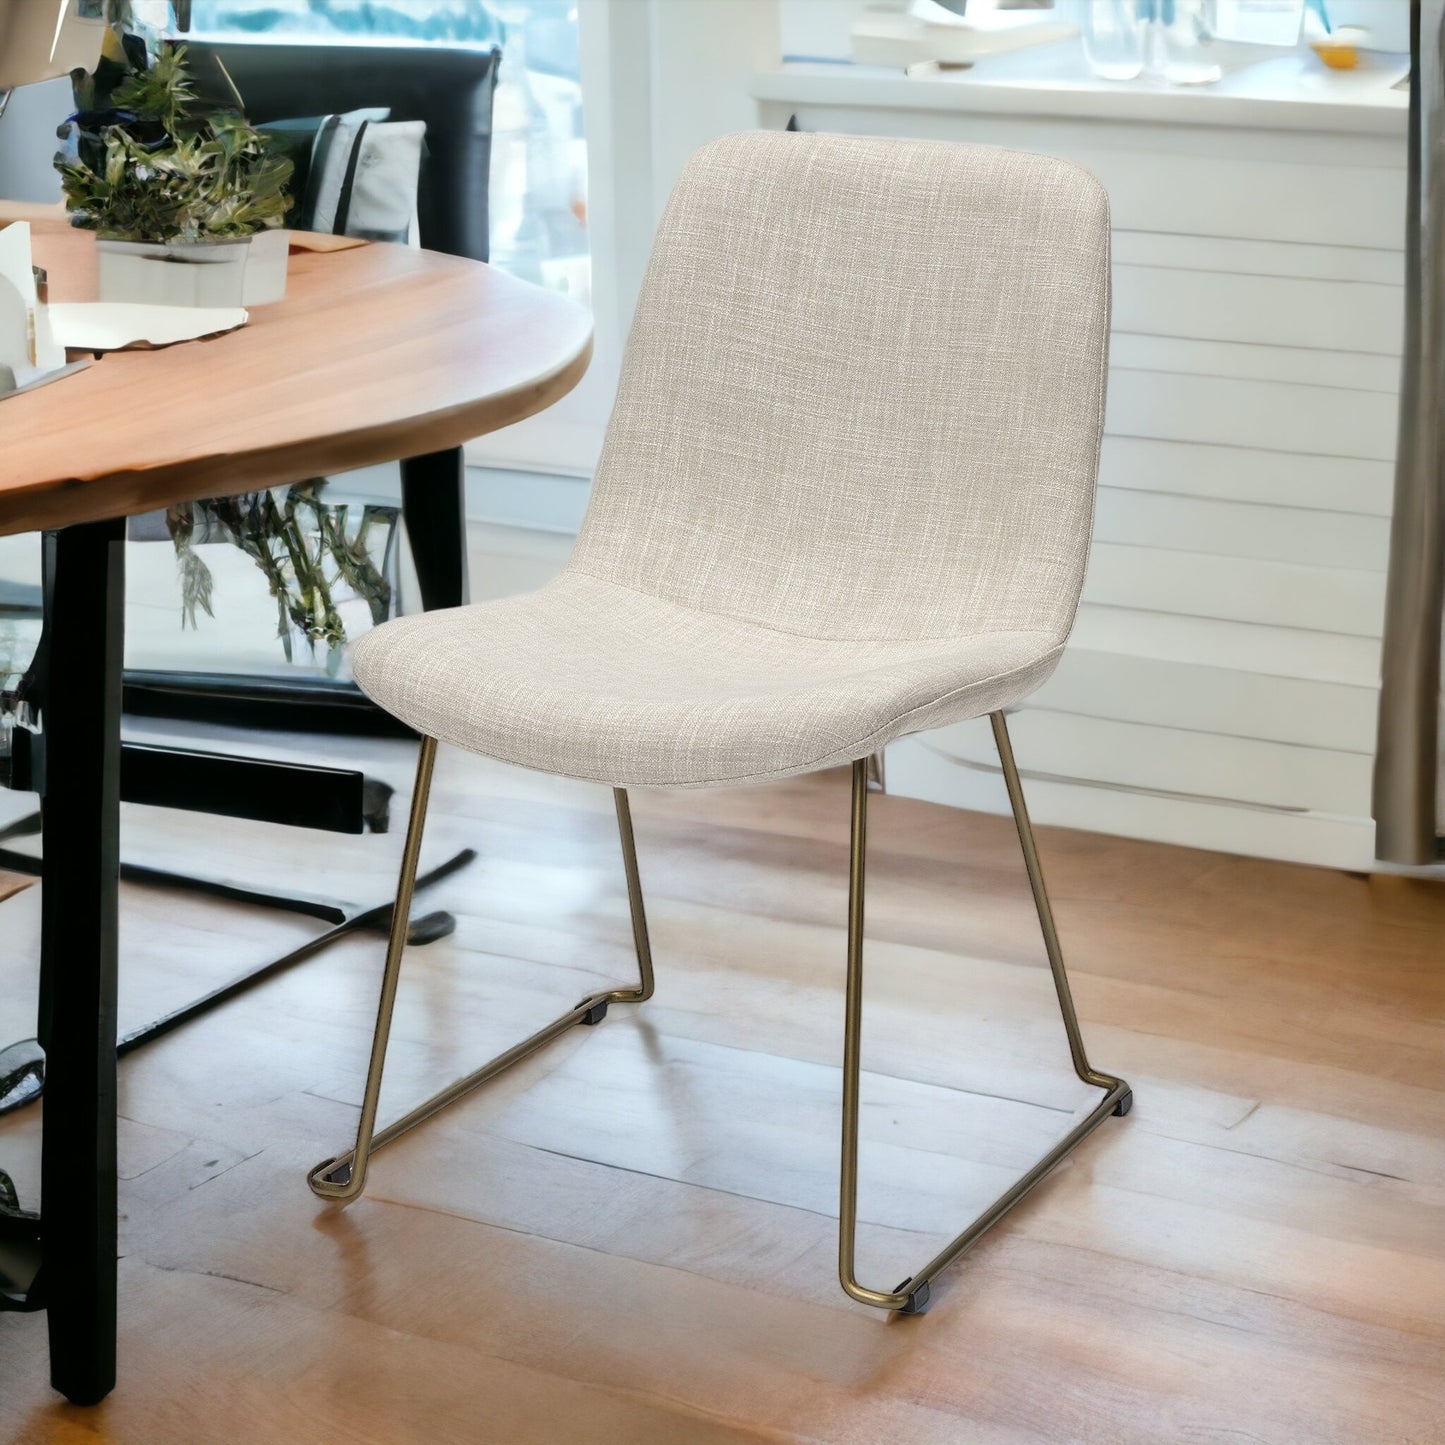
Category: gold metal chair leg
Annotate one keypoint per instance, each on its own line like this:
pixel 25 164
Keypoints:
pixel 911 1297
pixel 344 1177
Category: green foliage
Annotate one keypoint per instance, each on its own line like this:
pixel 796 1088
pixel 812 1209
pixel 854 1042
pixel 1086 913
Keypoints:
pixel 148 161
pixel 307 551
pixel 163 91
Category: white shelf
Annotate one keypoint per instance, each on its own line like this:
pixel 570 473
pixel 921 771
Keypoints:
pixel 1290 91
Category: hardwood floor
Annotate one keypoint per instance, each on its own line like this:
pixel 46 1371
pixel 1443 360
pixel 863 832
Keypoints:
pixel 630 1238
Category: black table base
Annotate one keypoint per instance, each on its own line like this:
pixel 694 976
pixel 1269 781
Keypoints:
pixel 85 612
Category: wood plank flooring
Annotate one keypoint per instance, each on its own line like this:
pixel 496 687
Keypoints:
pixel 631 1237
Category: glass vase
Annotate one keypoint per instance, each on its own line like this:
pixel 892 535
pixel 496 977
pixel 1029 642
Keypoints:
pixel 1113 36
pixel 1177 36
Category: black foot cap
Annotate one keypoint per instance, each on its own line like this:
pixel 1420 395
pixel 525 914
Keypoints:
pixel 917 1298
pixel 429 928
pixel 1124 1104
pixel 595 1014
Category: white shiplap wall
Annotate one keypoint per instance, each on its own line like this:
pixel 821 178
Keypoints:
pixel 1221 686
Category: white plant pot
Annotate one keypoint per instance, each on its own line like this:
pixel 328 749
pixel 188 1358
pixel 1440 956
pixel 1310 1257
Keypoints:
pixel 266 261
pixel 247 272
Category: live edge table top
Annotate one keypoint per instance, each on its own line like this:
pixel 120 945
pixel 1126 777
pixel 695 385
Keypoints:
pixel 377 352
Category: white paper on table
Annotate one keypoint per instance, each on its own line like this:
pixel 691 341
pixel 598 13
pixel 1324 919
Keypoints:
pixel 27 343
pixel 115 325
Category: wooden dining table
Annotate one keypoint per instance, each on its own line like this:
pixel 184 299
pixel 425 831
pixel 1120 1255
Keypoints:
pixel 377 353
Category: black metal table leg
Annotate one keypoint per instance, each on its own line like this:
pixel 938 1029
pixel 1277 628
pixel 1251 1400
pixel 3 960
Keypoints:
pixel 434 506
pixel 84 580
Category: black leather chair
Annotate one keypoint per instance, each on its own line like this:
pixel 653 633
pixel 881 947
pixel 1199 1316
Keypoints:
pixel 451 90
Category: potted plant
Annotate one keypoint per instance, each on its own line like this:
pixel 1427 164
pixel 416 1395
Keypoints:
pixel 186 198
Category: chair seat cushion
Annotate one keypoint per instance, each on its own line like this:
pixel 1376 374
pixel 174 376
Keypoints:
pixel 592 680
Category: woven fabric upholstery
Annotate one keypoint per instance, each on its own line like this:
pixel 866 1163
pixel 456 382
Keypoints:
pixel 847 487
pixel 596 681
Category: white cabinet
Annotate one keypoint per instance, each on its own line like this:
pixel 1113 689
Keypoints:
pixel 1220 689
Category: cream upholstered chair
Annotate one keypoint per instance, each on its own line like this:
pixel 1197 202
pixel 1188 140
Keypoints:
pixel 846 494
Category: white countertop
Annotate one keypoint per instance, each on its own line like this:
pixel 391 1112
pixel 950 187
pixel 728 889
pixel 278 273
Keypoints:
pixel 1289 91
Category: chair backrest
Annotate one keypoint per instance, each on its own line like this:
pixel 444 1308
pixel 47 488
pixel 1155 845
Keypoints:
pixel 450 89
pixel 864 390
